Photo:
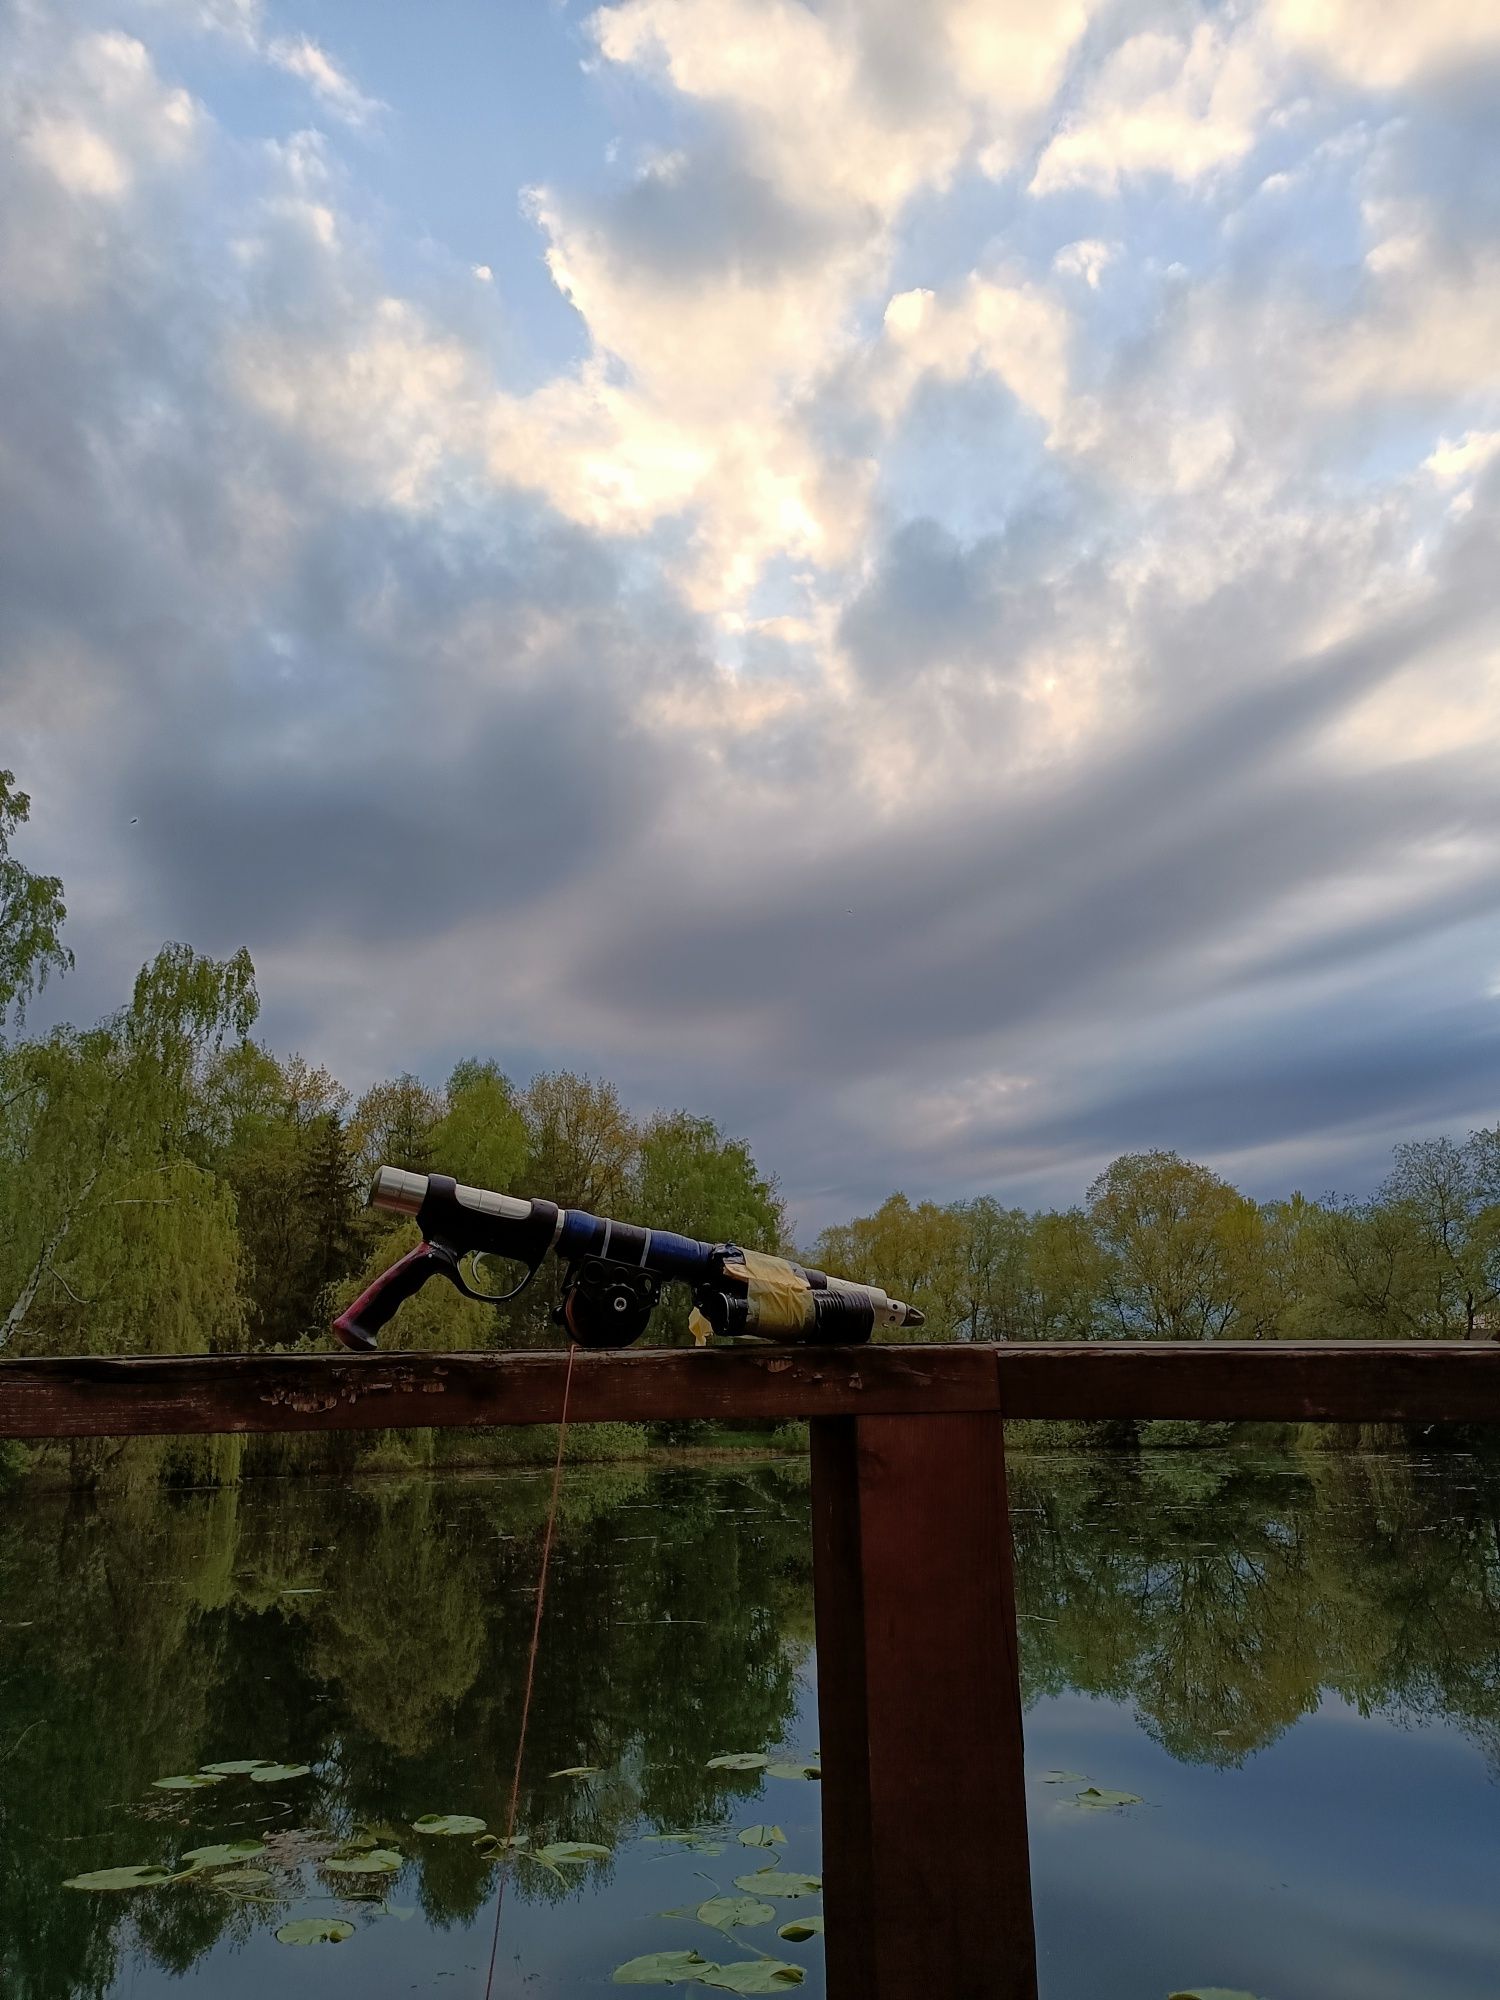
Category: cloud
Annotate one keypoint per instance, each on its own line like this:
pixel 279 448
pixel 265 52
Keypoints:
pixel 1181 106
pixel 304 59
pixel 954 683
pixel 1383 48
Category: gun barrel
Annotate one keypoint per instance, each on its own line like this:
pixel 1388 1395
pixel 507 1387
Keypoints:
pixel 404 1193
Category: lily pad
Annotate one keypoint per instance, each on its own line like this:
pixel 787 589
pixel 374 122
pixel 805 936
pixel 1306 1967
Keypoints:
pixel 727 1913
pixel 240 1767
pixel 663 1968
pixel 224 1854
pixel 572 1853
pixel 276 1774
pixel 794 1770
pixel 489 1845
pixel 576 1771
pixel 762 1836
pixel 1093 1800
pixel 240 1878
pixel 739 1760
pixel 754 1975
pixel 800 1929
pixel 377 1861
pixel 315 1930
pixel 778 1882
pixel 191 1781
pixel 145 1876
pixel 691 1843
pixel 1211 1993
pixel 448 1823
pixel 1062 1778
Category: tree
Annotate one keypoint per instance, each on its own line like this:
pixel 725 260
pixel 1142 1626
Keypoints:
pixel 481 1137
pixel 1177 1242
pixel 112 1237
pixel 392 1126
pixel 274 1133
pixel 1070 1274
pixel 914 1253
pixel 1450 1195
pixel 689 1178
pixel 999 1291
pixel 32 913
pixel 582 1142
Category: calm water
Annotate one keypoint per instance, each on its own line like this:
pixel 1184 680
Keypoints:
pixel 1292 1664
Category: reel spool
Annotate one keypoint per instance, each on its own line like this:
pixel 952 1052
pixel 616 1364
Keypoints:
pixel 606 1304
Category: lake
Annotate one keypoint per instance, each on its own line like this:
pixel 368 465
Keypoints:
pixel 1288 1665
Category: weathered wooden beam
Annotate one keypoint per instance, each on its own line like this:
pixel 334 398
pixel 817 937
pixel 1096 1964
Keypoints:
pixel 1343 1381
pixel 1352 1381
pixel 157 1395
pixel 926 1872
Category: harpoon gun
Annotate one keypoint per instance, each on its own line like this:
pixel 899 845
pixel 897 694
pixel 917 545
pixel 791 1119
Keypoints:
pixel 614 1272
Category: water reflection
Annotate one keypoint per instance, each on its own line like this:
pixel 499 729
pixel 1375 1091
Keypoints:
pixel 1179 1615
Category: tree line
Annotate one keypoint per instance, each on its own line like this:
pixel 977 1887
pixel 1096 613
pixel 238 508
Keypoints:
pixel 169 1184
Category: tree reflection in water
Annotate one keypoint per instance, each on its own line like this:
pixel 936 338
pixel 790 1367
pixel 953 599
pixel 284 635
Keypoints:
pixel 377 1631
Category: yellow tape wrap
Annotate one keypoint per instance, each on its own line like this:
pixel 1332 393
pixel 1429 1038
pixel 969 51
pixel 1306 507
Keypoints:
pixel 781 1301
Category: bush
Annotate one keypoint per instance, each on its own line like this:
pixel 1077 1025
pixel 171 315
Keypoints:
pixel 1181 1434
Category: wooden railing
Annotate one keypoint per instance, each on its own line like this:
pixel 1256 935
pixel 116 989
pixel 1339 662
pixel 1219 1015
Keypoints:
pixel 918 1688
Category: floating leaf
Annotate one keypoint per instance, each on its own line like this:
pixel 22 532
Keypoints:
pixel 663 1968
pixel 779 1882
pixel 448 1823
pixel 800 1929
pixel 739 1760
pixel 762 1836
pixel 402 1912
pixel 315 1930
pixel 144 1876
pixel 240 1878
pixel 240 1768
pixel 692 1843
pixel 754 1975
pixel 489 1845
pixel 225 1852
pixel 794 1770
pixel 576 1771
pixel 1093 1800
pixel 275 1774
pixel 194 1781
pixel 728 1913
pixel 377 1861
pixel 1063 1778
pixel 571 1852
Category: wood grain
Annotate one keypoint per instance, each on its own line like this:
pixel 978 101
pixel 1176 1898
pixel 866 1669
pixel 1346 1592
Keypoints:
pixel 926 1868
pixel 153 1395
pixel 156 1395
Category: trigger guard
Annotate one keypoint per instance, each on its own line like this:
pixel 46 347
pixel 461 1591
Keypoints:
pixel 488 1298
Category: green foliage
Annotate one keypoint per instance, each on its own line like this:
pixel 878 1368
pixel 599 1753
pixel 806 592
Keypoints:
pixel 32 914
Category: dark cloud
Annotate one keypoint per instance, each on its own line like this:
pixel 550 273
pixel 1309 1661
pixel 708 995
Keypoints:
pixel 436 735
pixel 705 215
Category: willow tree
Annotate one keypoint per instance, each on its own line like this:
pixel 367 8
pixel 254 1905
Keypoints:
pixel 113 1238
pixel 31 914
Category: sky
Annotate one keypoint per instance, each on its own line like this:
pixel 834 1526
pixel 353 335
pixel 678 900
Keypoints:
pixel 918 577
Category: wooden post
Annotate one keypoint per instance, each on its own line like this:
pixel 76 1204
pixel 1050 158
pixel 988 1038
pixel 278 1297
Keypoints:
pixel 926 1872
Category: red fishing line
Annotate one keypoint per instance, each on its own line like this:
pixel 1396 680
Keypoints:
pixel 536 1635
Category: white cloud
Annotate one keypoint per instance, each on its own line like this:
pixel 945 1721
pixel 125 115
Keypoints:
pixel 1088 259
pixel 1183 106
pixel 1383 44
pixel 302 58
